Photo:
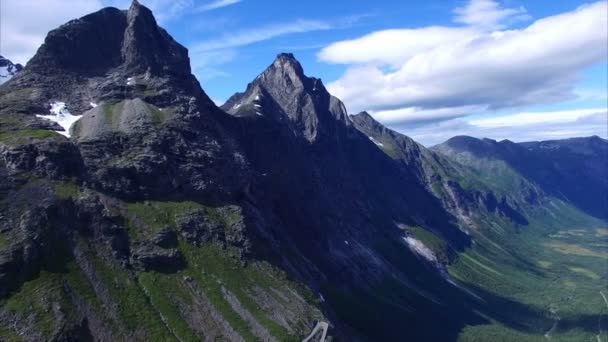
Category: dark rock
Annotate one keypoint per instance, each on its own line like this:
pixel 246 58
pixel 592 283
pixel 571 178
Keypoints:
pixel 284 93
pixel 151 258
pixel 198 228
pixel 55 159
pixel 165 239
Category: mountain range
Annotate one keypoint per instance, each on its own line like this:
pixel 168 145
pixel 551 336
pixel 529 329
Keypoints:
pixel 133 208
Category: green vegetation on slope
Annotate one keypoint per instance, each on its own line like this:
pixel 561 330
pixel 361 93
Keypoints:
pixel 549 266
pixel 22 136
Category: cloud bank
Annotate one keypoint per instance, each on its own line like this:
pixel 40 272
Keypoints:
pixel 439 73
pixel 518 127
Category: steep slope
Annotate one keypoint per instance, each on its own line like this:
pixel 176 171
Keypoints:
pixel 461 189
pixel 572 170
pixel 8 69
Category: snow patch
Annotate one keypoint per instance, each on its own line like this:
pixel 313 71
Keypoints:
pixel 130 81
pixel 321 298
pixel 257 98
pixel 346 242
pixel 62 116
pixel 257 105
pixel 5 74
pixel 421 249
pixel 93 105
pixel 376 142
pixel 258 113
pixel 237 106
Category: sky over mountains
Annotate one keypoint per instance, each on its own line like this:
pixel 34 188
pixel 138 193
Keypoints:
pixel 516 69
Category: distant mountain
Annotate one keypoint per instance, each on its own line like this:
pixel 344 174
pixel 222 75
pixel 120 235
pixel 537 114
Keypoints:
pixel 8 69
pixel 133 208
pixel 573 170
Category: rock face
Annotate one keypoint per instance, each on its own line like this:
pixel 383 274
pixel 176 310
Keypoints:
pixel 8 69
pixel 285 94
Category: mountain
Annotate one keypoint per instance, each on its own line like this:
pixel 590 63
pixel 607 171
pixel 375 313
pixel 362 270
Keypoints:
pixel 8 69
pixel 133 208
pixel 572 170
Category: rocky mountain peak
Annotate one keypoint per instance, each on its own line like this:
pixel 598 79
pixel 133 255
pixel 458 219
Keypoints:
pixel 106 57
pixel 287 70
pixel 285 93
pixel 147 47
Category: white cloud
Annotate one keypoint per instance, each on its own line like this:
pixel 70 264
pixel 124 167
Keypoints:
pixel 531 118
pixel 451 68
pixel 413 114
pixel 392 47
pixel 207 64
pixel 215 5
pixel 25 23
pixel 209 56
pixel 251 36
pixel 488 14
pixel 516 127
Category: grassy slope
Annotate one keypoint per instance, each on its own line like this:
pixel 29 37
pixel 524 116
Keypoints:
pixel 151 305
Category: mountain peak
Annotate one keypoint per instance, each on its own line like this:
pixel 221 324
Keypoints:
pixel 283 91
pixel 288 62
pixel 364 117
pixel 147 47
pixel 137 8
pixel 124 52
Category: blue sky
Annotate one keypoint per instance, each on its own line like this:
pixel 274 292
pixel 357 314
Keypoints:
pixel 429 69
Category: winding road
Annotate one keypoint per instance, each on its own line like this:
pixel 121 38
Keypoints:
pixel 321 325
pixel 599 335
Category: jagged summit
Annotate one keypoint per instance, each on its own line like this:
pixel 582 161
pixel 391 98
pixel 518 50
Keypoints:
pixel 148 47
pixel 106 57
pixel 110 38
pixel 284 93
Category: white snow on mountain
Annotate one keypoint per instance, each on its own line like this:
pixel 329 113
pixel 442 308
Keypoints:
pixel 61 115
pixel 420 248
pixel 5 74
pixel 376 142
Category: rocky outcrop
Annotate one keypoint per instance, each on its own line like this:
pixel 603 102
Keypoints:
pixel 283 93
